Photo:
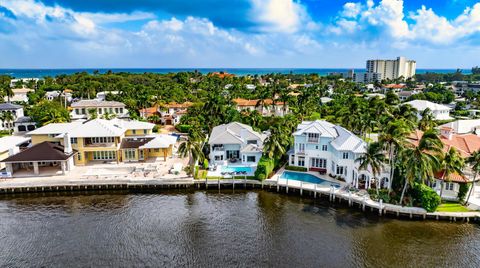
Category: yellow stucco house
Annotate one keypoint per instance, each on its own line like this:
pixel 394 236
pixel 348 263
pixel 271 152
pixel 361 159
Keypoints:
pixel 101 141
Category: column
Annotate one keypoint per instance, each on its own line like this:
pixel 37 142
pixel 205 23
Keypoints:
pixel 35 168
pixel 62 165
pixel 9 167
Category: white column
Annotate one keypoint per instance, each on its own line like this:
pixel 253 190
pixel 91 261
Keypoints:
pixel 35 168
pixel 63 166
pixel 9 167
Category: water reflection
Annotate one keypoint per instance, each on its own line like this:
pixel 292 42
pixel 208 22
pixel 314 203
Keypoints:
pixel 220 229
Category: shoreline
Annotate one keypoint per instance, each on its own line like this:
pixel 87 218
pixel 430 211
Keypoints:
pixel 295 188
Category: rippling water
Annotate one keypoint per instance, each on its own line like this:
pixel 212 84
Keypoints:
pixel 211 229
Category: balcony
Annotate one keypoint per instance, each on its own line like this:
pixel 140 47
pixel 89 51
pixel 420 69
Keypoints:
pixel 219 149
pixel 99 145
pixel 313 140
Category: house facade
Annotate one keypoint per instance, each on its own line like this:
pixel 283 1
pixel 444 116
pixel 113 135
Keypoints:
pixel 235 143
pixel 465 144
pixel 115 140
pixel 80 110
pixel 265 108
pixel 9 110
pixel 326 148
pixel 439 112
pixel 173 112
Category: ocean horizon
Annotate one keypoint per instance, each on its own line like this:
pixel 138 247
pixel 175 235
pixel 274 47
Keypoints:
pixel 40 73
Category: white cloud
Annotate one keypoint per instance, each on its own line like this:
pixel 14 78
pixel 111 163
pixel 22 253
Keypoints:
pixel 285 16
pixel 387 19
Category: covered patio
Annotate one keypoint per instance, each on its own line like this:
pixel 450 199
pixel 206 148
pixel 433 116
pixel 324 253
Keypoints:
pixel 43 159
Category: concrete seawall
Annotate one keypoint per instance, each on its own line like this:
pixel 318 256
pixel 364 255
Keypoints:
pixel 308 190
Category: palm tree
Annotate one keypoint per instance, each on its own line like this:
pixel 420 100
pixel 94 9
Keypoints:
pixel 427 121
pixel 7 117
pixel 451 163
pixel 191 147
pixel 421 161
pixel 373 159
pixel 92 113
pixel 276 143
pixel 474 161
pixel 393 138
pixel 53 116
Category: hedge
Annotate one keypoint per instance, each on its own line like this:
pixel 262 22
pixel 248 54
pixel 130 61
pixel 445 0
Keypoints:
pixel 294 168
pixel 426 197
pixel 462 191
pixel 183 128
pixel 265 167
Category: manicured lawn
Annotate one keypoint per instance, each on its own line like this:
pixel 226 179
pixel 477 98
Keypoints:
pixel 452 207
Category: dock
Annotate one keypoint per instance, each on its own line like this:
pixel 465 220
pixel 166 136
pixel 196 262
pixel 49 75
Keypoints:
pixel 310 190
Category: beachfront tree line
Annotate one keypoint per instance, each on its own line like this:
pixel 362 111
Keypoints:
pixel 411 165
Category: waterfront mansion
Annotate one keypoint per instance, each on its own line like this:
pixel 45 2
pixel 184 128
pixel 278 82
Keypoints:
pixel 326 148
pixel 235 143
pixel 89 142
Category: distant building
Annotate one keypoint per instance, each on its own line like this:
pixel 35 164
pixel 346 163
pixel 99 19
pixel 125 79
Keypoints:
pixel 173 112
pixel 392 69
pixel 101 96
pixel 114 108
pixel 267 109
pixel 439 112
pixel 19 95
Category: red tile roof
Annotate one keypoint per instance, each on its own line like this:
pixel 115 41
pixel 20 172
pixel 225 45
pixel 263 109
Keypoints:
pixel 245 102
pixel 455 177
pixel 465 144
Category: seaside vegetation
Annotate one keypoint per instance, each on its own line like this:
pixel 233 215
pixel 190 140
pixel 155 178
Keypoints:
pixel 412 167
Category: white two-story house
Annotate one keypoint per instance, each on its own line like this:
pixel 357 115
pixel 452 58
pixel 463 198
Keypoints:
pixel 235 143
pixel 80 109
pixel 439 111
pixel 323 147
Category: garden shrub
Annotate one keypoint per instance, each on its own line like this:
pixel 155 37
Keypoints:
pixel 183 128
pixel 382 194
pixel 265 167
pixel 294 168
pixel 426 197
pixel 462 191
pixel 205 163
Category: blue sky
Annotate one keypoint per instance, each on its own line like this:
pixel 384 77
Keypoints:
pixel 237 33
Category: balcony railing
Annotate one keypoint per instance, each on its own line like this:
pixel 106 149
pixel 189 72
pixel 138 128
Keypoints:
pixel 313 140
pixel 100 144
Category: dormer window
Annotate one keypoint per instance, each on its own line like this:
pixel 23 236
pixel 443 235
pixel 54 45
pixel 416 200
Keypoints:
pixel 345 155
pixel 251 141
pixel 313 137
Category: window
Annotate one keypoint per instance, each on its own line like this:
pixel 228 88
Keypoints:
pixel 313 137
pixel 340 170
pixel 318 163
pixel 102 140
pixel 73 140
pixel 219 158
pixel 251 142
pixel 104 155
pixel 145 131
pixel 324 148
pixel 77 111
pixel 301 147
pixel 251 158
pixel 116 110
pixel 345 155
pixel 79 156
pixel 100 110
pixel 130 154
pixel 121 110
pixel 157 150
pixel 134 132
pixel 301 161
pixel 316 147
pixel 449 186
pixel 292 160
pixel 84 111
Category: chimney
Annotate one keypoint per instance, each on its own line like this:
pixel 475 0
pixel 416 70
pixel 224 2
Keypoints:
pixel 447 133
pixel 67 144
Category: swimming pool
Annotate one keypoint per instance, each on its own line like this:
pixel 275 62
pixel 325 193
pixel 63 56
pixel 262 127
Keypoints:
pixel 305 177
pixel 249 170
